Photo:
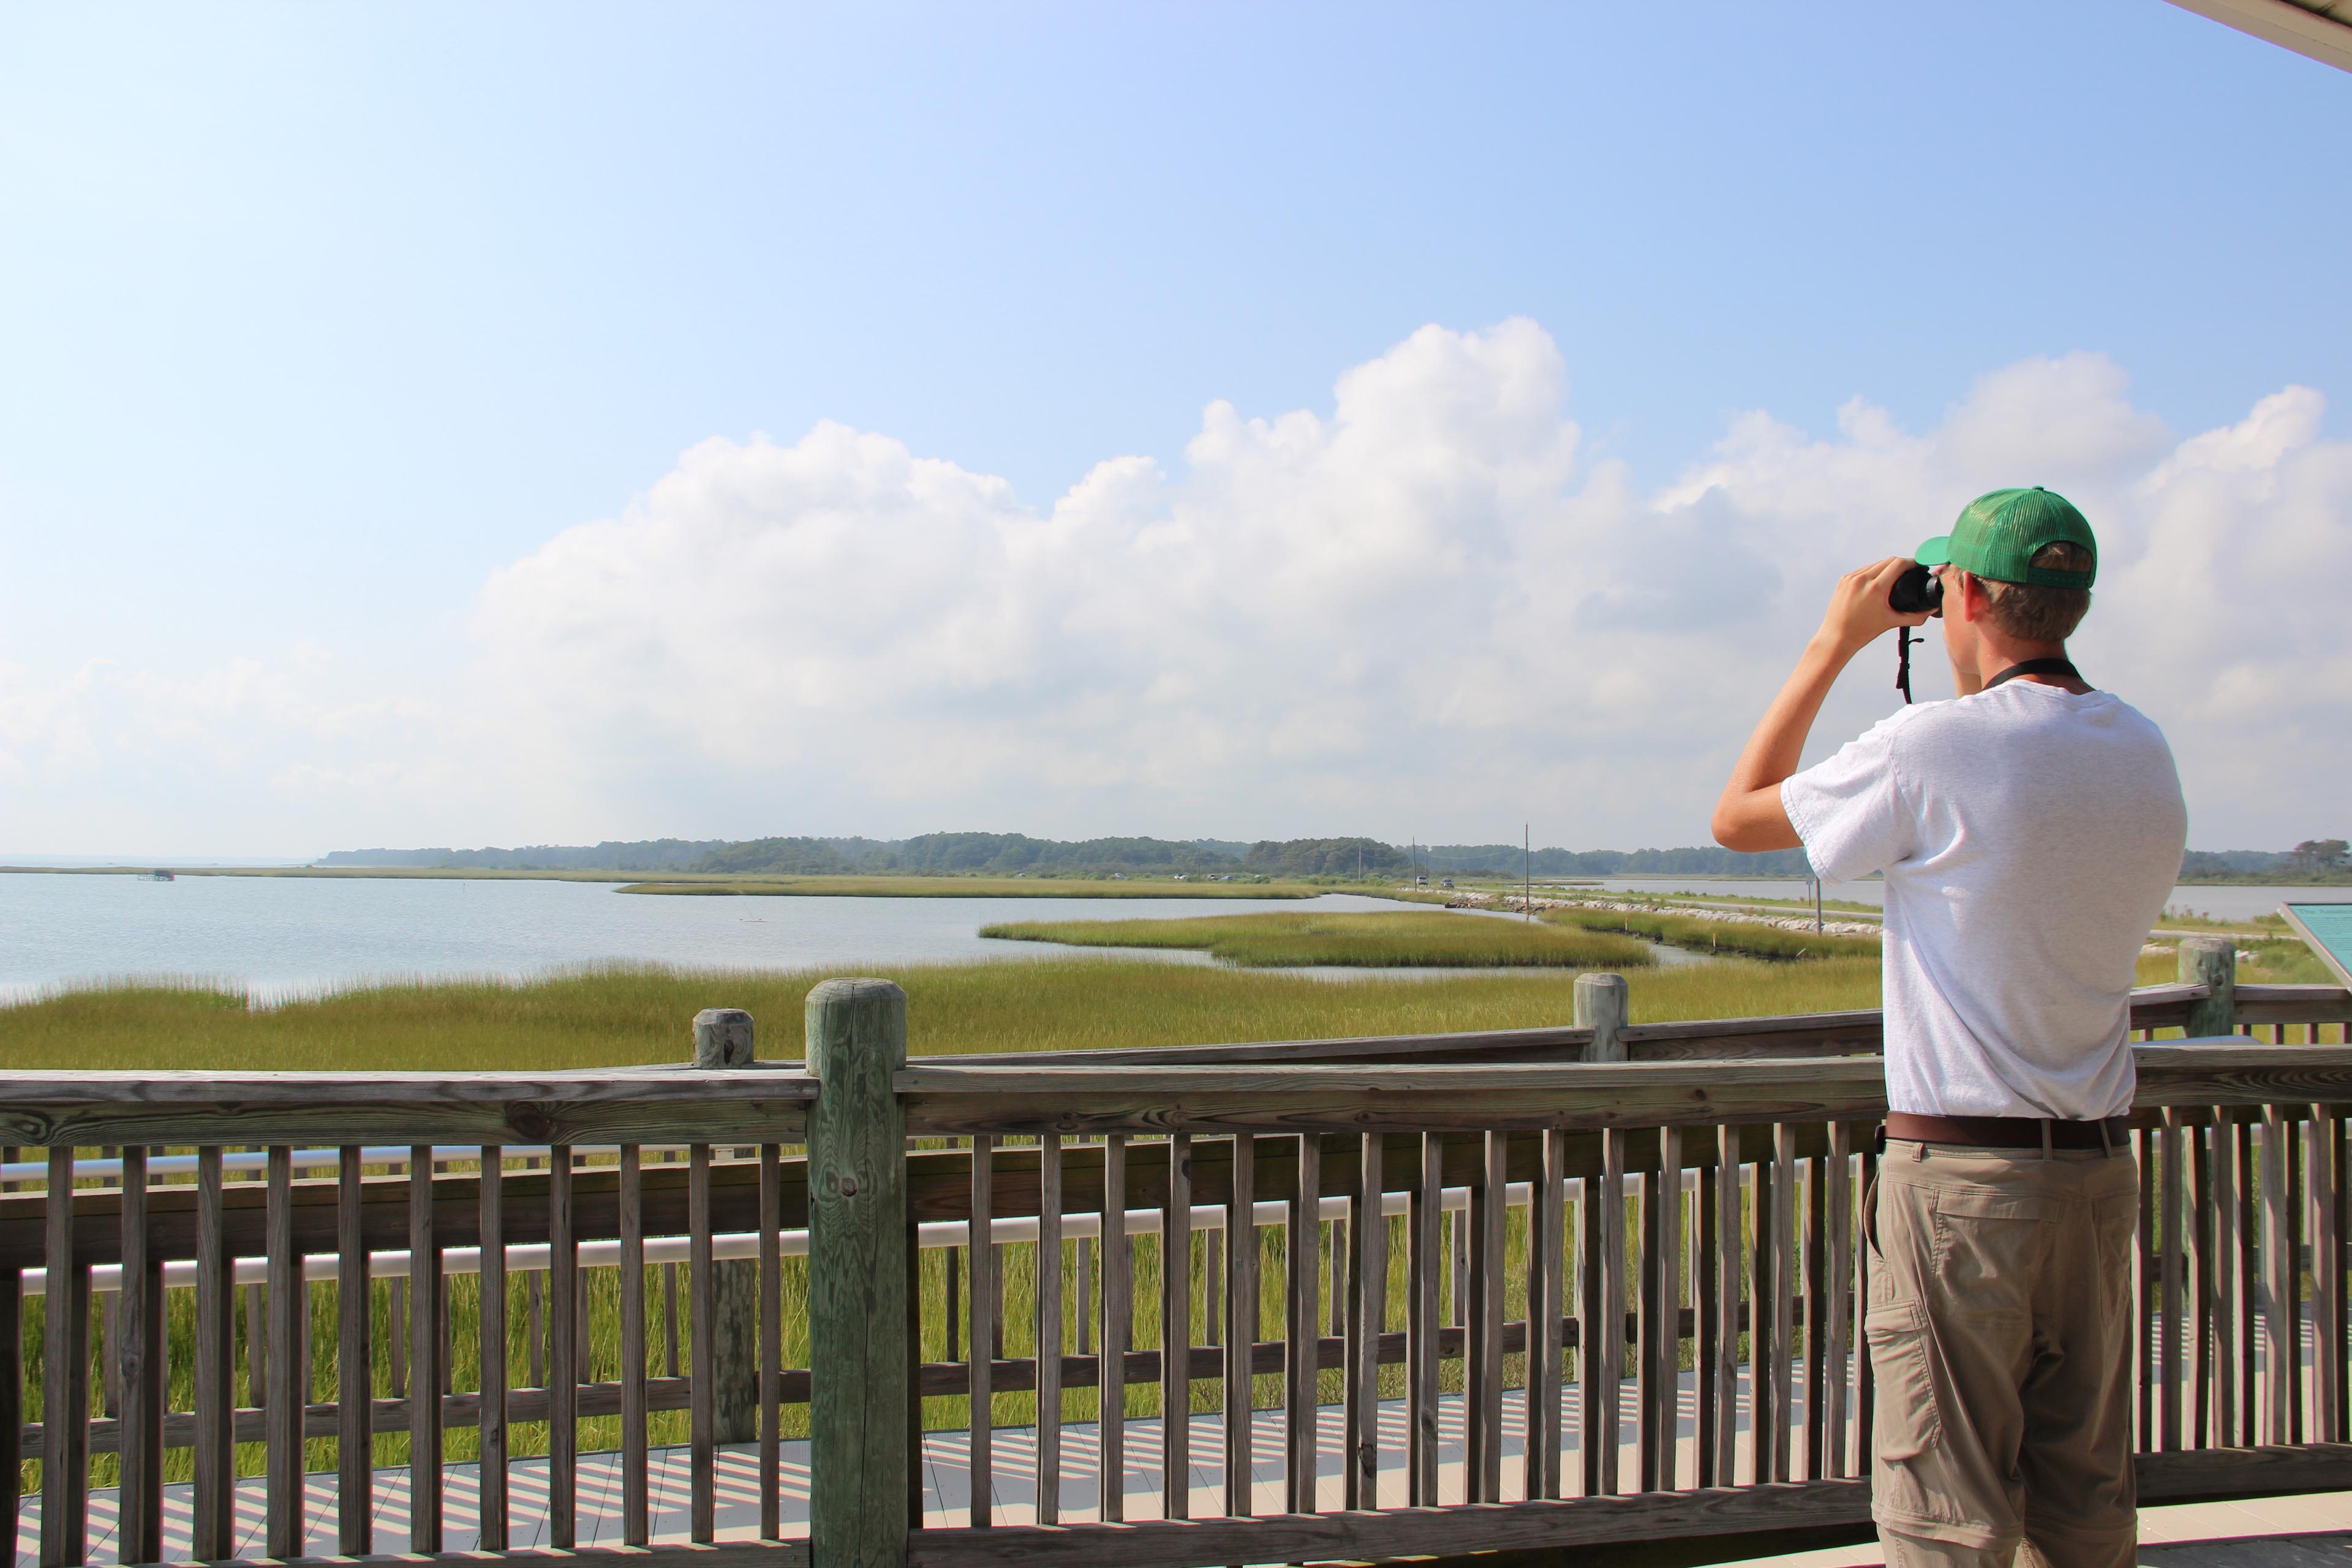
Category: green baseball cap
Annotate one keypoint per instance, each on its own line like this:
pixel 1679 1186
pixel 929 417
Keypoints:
pixel 1999 532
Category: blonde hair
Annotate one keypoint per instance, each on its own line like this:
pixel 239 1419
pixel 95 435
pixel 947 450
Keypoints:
pixel 2034 612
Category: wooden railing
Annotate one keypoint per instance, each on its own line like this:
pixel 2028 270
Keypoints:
pixel 1433 1228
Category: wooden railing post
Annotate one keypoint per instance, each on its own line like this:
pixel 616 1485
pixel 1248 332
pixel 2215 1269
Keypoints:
pixel 724 1038
pixel 1601 1007
pixel 859 1414
pixel 2211 961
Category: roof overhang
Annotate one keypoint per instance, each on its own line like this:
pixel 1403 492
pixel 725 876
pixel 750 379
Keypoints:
pixel 2321 29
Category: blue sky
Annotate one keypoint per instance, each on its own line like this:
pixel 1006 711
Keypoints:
pixel 314 321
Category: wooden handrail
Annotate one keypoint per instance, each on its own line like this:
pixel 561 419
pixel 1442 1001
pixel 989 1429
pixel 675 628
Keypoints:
pixel 644 1105
pixel 1355 1098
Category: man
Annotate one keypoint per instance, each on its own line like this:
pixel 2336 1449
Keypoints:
pixel 2030 831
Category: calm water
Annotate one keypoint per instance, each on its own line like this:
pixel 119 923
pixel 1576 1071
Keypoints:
pixel 2221 903
pixel 278 935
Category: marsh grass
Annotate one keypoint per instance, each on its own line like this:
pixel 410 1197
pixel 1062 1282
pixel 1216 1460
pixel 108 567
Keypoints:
pixel 619 1016
pixel 1748 938
pixel 1370 941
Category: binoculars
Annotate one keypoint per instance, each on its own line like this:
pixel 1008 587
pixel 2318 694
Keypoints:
pixel 1918 592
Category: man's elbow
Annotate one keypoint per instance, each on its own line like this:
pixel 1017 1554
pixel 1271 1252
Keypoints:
pixel 1751 824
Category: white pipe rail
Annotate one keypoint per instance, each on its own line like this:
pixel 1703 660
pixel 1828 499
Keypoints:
pixel 526 1258
pixel 311 1159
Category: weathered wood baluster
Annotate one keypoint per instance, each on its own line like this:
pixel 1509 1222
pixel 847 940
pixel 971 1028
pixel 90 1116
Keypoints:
pixel 354 1391
pixel 1424 1248
pixel 1176 1331
pixel 534 1321
pixel 1335 1288
pixel 670 1334
pixel 1212 1286
pixel 1784 1293
pixel 771 1342
pixel 1837 1350
pixel 564 1355
pixel 2326 1276
pixel 211 1537
pixel 1483 1402
pixel 1368 1234
pixel 951 1266
pixel 1117 1321
pixel 1458 1265
pixel 1723 1370
pixel 1049 1329
pixel 1604 1360
pixel 2279 1270
pixel 493 1385
pixel 1665 1362
pixel 286 1396
pixel 635 1512
pixel 425 1368
pixel 396 1336
pixel 2201 1218
pixel 2171 1224
pixel 1303 1328
pixel 2332 1323
pixel 979 1370
pixel 1647 1333
pixel 1547 1208
pixel 1082 1300
pixel 65 1379
pixel 2297 1210
pixel 702 1394
pixel 257 1345
pixel 12 1398
pixel 1241 1325
pixel 1814 1259
pixel 1768 1410
pixel 2250 1282
pixel 138 1350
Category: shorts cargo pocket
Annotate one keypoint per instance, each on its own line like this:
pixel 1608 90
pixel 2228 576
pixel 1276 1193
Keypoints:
pixel 1907 1420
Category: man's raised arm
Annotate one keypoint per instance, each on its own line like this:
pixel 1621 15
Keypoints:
pixel 1750 816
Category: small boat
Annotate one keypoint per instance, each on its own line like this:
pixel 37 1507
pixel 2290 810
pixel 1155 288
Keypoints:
pixel 159 875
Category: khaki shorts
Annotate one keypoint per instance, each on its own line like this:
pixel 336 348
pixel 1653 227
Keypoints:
pixel 1998 1326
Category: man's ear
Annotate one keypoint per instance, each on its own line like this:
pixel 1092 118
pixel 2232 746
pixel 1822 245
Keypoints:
pixel 1971 595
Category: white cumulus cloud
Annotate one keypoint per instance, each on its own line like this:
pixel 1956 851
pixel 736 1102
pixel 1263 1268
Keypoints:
pixel 1422 609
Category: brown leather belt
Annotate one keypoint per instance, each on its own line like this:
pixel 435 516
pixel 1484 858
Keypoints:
pixel 2009 1131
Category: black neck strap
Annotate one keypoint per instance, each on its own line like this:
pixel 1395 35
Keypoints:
pixel 2037 667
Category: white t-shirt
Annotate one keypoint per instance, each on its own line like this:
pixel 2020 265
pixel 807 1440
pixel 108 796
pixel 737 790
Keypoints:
pixel 2030 837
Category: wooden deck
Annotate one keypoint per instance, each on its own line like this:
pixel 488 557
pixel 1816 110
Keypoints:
pixel 2277 1533
pixel 947 1496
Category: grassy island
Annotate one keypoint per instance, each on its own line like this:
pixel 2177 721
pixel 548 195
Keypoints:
pixel 1751 939
pixel 1363 940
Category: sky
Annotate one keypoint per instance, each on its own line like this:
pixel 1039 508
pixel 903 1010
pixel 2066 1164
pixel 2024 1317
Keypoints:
pixel 546 424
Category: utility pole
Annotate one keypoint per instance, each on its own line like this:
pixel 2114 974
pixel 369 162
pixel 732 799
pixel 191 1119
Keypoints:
pixel 1528 871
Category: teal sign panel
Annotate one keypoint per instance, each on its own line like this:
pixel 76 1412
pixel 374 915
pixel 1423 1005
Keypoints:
pixel 2329 929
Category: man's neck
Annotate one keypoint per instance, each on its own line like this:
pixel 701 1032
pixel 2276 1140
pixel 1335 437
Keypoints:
pixel 1997 657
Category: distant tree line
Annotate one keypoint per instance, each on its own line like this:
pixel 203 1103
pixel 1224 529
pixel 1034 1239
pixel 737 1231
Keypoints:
pixel 2312 860
pixel 1016 854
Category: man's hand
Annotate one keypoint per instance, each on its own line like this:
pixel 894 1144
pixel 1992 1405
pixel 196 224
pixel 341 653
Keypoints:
pixel 1859 614
pixel 1749 816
